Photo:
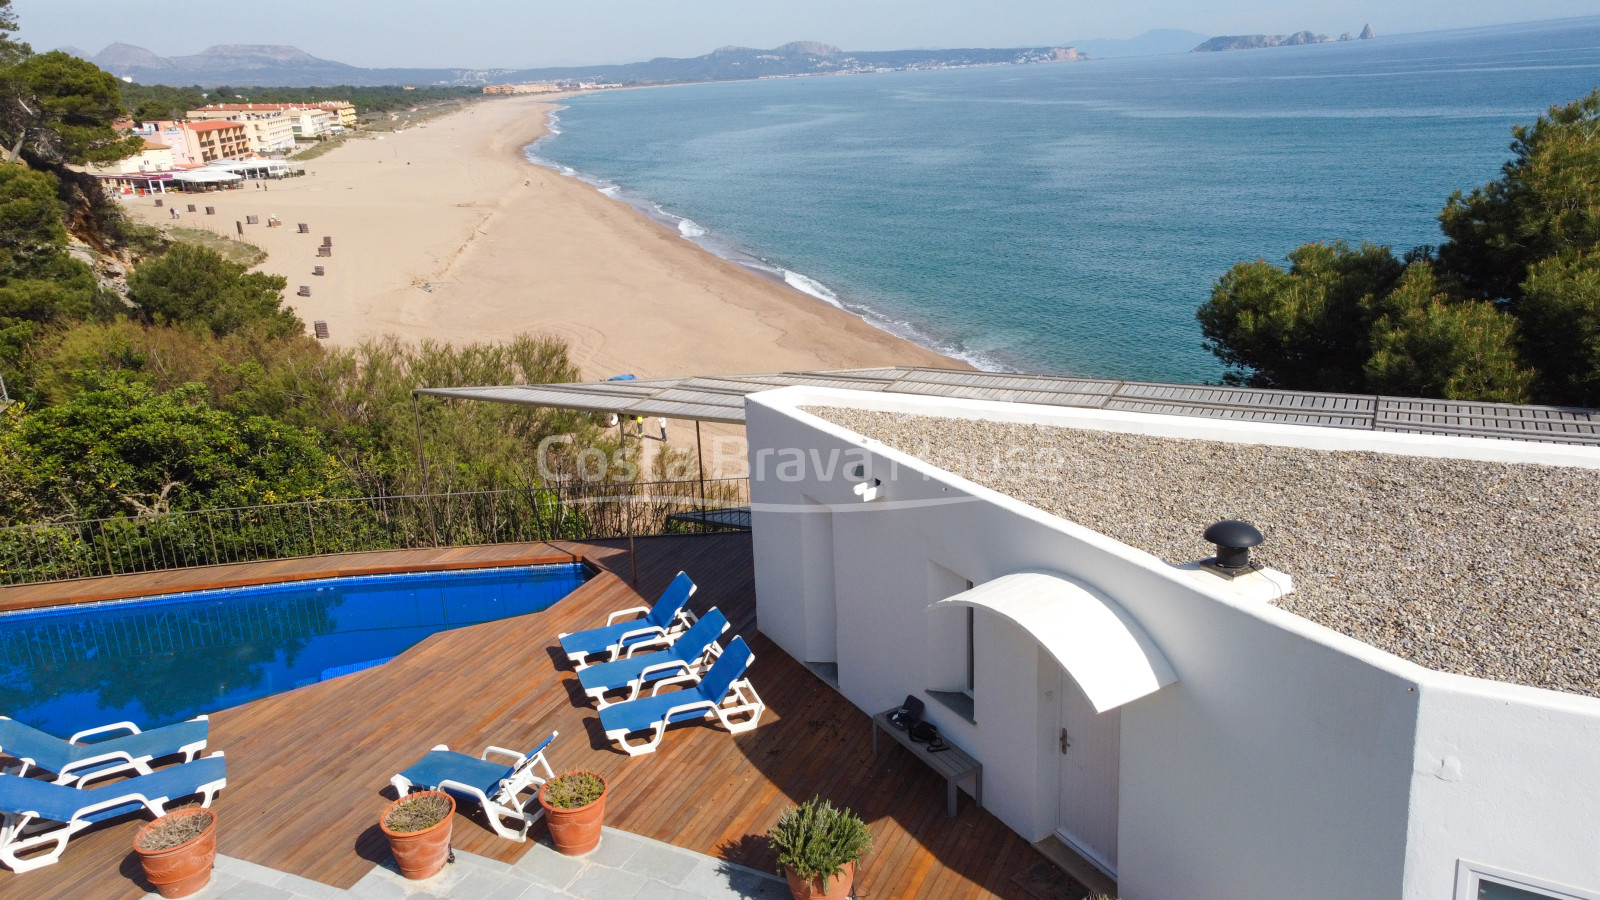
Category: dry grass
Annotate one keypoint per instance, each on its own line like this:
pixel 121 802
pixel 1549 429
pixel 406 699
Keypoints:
pixel 176 832
pixel 417 813
pixel 228 248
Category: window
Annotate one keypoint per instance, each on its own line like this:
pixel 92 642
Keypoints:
pixel 1475 881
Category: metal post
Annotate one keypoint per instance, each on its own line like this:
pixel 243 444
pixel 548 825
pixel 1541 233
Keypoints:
pixel 627 511
pixel 422 455
pixel 700 462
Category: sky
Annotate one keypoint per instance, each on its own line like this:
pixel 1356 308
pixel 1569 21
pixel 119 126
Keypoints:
pixel 527 33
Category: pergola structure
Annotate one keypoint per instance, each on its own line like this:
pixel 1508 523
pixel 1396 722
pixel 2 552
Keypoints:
pixel 720 398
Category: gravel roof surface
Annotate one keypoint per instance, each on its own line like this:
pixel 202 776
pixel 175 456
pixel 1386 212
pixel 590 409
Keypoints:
pixel 1480 568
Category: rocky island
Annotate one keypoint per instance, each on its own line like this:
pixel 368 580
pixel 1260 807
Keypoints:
pixel 1257 41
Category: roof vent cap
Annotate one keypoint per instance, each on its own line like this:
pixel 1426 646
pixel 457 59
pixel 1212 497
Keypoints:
pixel 1233 539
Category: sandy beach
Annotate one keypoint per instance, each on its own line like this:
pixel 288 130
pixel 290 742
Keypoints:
pixel 446 231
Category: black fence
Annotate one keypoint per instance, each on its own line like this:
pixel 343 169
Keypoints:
pixel 176 540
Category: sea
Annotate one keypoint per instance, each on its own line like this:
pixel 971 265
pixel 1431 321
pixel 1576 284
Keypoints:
pixel 1070 218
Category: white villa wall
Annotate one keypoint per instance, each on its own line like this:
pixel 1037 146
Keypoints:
pixel 1281 764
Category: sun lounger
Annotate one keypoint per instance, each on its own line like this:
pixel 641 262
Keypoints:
pixel 691 654
pixel 41 814
pixel 493 785
pixel 660 624
pixel 72 759
pixel 724 692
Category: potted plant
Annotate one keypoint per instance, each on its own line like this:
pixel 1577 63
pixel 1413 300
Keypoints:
pixel 418 828
pixel 178 850
pixel 574 806
pixel 818 848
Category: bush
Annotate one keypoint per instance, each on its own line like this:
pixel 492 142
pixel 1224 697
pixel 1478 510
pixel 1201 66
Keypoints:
pixel 814 840
pixel 574 789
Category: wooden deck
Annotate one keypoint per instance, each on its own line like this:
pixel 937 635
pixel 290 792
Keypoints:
pixel 308 769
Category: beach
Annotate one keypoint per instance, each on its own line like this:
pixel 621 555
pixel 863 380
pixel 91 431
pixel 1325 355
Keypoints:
pixel 445 231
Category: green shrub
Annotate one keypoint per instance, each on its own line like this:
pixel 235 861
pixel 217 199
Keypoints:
pixel 814 840
pixel 574 789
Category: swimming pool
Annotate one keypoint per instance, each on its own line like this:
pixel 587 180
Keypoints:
pixel 164 659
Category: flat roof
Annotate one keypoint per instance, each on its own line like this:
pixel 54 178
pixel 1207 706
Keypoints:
pixel 720 398
pixel 1479 567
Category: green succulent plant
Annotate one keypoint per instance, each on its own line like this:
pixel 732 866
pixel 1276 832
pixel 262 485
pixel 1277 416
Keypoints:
pixel 814 840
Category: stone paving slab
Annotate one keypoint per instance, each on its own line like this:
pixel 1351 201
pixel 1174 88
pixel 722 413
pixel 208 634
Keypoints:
pixel 624 867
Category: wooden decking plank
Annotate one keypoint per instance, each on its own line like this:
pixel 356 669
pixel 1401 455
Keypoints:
pixel 308 768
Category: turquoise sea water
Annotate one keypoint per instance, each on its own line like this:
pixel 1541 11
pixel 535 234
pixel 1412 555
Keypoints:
pixel 1069 218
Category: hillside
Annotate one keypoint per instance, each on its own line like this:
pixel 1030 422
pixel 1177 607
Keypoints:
pixel 252 64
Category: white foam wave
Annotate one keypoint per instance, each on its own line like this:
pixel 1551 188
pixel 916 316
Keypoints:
pixel 609 190
pixel 811 286
pixel 689 229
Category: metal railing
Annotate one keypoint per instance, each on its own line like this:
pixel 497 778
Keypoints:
pixel 175 540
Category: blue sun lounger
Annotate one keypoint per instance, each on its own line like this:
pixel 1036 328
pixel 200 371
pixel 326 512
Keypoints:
pixel 724 692
pixel 131 753
pixel 493 785
pixel 55 812
pixel 686 660
pixel 661 623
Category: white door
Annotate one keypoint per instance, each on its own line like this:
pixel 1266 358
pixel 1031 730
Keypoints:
pixel 1089 744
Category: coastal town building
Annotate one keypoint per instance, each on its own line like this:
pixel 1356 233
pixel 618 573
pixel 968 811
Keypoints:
pixel 520 88
pixel 269 129
pixel 344 112
pixel 153 162
pixel 211 141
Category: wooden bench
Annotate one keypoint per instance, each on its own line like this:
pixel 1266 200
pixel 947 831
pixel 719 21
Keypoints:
pixel 955 766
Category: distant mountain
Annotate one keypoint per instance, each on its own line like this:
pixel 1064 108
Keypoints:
pixel 1258 41
pixel 266 65
pixel 278 66
pixel 799 58
pixel 72 51
pixel 1151 43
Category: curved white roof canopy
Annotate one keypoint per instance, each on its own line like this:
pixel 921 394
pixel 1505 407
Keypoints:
pixel 1101 647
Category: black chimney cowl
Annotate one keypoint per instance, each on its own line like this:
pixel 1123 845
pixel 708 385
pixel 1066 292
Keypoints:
pixel 1234 540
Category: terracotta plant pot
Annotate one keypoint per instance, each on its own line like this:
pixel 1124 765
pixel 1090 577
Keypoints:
pixel 182 870
pixel 835 888
pixel 576 831
pixel 420 854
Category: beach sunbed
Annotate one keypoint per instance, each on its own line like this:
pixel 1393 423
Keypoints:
pixel 659 625
pixel 723 692
pixel 691 654
pixel 40 814
pixel 495 786
pixel 72 758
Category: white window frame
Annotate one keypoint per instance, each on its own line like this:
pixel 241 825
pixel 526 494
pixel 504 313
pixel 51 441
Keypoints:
pixel 1470 874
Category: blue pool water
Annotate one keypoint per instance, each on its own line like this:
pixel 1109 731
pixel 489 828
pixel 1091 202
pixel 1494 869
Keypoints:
pixel 1070 218
pixel 165 659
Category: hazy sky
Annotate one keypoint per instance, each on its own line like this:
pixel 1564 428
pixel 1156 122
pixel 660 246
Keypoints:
pixel 518 33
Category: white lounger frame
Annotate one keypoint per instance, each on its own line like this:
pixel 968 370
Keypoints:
pixel 660 637
pixel 741 700
pixel 130 764
pixel 691 675
pixel 505 803
pixel 15 839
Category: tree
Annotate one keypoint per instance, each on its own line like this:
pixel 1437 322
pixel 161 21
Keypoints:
pixel 191 284
pixel 1546 203
pixel 118 447
pixel 1307 327
pixel 1560 313
pixel 1426 345
pixel 59 109
pixel 1507 309
pixel 41 286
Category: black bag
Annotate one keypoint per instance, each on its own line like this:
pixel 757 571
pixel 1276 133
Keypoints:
pixel 909 713
pixel 928 733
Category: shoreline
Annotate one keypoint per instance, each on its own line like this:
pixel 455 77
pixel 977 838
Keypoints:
pixel 449 231
pixel 723 248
